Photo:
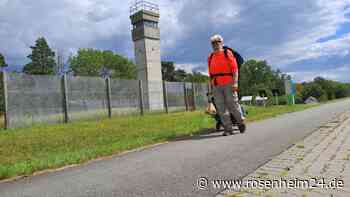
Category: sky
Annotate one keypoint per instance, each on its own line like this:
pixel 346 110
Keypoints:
pixel 305 38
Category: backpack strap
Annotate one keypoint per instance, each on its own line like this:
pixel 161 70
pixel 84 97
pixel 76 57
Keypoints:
pixel 210 58
pixel 225 51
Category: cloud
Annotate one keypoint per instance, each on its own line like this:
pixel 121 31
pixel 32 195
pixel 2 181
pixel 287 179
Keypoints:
pixel 284 33
pixel 299 37
pixel 329 55
pixel 66 25
pixel 172 29
pixel 192 67
pixel 337 74
pixel 279 32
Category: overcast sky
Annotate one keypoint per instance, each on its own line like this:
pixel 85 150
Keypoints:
pixel 304 38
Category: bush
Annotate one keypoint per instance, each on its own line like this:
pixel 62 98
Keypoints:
pixel 299 99
pixel 342 90
pixel 282 100
pixel 314 90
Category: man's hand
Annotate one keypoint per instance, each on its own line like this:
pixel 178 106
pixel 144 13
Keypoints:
pixel 235 87
pixel 235 82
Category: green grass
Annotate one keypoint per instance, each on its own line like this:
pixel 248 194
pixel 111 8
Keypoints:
pixel 2 121
pixel 27 150
pixel 259 113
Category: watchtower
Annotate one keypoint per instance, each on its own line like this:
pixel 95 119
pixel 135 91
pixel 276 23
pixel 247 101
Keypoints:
pixel 146 37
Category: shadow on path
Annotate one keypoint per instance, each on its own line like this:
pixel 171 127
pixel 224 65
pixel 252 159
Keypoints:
pixel 201 134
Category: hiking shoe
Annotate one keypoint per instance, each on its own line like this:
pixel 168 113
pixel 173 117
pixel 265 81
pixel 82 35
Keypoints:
pixel 242 128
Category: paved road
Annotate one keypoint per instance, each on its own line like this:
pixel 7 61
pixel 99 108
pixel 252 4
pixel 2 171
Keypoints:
pixel 173 169
pixel 316 166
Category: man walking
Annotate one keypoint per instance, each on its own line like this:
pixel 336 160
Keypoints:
pixel 223 71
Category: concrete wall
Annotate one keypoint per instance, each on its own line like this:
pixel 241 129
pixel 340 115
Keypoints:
pixel 152 48
pixel 144 15
pixel 140 59
pixel 147 56
pixel 145 32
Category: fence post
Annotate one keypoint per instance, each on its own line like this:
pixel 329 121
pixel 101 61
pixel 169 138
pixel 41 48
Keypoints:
pixel 194 97
pixel 208 87
pixel 185 96
pixel 64 98
pixel 165 96
pixel 141 96
pixel 108 92
pixel 5 96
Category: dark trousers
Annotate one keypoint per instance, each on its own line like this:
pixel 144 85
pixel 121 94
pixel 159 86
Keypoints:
pixel 226 101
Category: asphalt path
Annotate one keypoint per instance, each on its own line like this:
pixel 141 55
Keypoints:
pixel 173 169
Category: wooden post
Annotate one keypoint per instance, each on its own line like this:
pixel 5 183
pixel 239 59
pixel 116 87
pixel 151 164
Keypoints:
pixel 185 96
pixel 209 87
pixel 64 98
pixel 108 92
pixel 194 97
pixel 141 97
pixel 5 96
pixel 165 96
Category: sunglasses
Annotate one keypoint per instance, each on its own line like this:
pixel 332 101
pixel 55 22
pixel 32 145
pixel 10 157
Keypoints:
pixel 216 42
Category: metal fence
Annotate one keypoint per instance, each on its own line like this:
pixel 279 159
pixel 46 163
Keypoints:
pixel 35 99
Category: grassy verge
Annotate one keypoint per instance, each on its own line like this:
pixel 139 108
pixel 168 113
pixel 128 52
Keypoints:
pixel 259 113
pixel 26 150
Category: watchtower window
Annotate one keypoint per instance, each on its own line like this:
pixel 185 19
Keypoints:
pixel 146 23
pixel 150 24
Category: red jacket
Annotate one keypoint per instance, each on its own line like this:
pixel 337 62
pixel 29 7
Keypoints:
pixel 219 64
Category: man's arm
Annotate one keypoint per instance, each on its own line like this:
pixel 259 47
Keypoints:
pixel 235 80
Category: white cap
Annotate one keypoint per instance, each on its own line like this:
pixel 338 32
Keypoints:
pixel 216 37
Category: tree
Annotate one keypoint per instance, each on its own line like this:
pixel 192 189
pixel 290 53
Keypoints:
pixel 313 89
pixel 89 62
pixel 43 59
pixel 258 75
pixel 328 86
pixel 342 90
pixel 2 61
pixel 197 77
pixel 180 75
pixel 168 71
